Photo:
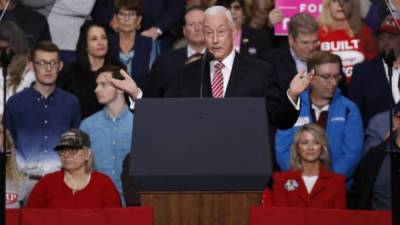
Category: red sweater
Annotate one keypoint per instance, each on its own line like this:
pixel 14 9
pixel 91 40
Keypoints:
pixel 352 50
pixel 289 190
pixel 52 192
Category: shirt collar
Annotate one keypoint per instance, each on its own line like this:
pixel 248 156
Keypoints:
pixel 37 94
pixel 320 110
pixel 228 61
pixel 121 115
pixel 300 65
pixel 190 51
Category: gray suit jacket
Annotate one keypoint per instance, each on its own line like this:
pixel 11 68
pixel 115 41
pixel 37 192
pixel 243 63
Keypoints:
pixel 377 129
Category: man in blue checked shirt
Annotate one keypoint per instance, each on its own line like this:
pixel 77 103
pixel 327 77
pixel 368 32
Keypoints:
pixel 110 129
pixel 37 116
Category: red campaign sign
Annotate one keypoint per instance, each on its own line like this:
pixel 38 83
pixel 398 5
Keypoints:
pixel 11 198
pixel 260 215
pixel 292 7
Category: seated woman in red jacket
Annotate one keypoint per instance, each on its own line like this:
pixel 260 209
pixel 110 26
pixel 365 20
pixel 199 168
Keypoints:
pixel 309 182
pixel 76 185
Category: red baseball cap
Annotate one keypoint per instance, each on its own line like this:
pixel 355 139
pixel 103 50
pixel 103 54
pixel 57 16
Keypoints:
pixel 390 25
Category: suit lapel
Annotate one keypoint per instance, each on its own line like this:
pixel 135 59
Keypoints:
pixel 301 190
pixel 291 64
pixel 289 69
pixel 378 68
pixel 234 79
pixel 321 184
pixel 206 81
pixel 182 56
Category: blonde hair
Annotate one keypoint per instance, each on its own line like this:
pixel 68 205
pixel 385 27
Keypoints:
pixel 89 166
pixel 12 173
pixel 319 135
pixel 354 19
pixel 16 71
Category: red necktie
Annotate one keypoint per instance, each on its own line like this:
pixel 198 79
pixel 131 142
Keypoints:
pixel 217 83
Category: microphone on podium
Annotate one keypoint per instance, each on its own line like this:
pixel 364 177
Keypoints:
pixel 207 57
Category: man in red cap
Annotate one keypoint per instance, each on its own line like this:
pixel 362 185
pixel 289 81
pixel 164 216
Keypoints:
pixel 369 87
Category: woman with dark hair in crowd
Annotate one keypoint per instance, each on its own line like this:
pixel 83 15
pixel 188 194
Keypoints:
pixel 76 185
pixel 309 182
pixel 135 51
pixel 79 78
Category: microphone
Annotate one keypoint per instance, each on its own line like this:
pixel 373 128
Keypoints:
pixel 6 55
pixel 207 57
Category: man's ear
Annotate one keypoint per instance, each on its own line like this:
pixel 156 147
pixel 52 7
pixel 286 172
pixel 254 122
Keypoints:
pixel 234 31
pixel 290 39
pixel 60 66
pixel 184 31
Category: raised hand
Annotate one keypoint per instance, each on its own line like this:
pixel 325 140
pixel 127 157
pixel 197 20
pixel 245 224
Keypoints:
pixel 299 83
pixel 127 85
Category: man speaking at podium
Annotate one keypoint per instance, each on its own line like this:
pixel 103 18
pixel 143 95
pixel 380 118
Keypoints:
pixel 224 73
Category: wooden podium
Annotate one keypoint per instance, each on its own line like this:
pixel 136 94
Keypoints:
pixel 200 208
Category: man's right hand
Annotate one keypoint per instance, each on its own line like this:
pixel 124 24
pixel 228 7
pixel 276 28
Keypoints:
pixel 299 83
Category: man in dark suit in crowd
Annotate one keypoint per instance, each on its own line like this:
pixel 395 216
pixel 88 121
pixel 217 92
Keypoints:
pixel 165 68
pixel 248 41
pixel 369 87
pixel 230 74
pixel 160 15
pixel 290 60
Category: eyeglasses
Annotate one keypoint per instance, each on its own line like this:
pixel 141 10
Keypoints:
pixel 68 151
pixel 44 64
pixel 327 77
pixel 128 15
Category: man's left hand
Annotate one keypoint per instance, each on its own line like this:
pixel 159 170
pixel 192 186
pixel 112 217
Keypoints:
pixel 151 32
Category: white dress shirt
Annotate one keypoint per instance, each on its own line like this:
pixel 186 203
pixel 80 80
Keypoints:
pixel 395 80
pixel 226 71
pixel 190 51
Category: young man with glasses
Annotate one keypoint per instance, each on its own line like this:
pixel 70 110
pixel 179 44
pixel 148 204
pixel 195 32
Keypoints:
pixel 324 104
pixel 38 115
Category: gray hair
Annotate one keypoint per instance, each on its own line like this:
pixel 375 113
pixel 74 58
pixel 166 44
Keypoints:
pixel 302 23
pixel 215 10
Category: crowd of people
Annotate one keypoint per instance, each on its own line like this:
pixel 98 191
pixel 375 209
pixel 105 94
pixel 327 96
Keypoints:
pixel 78 70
